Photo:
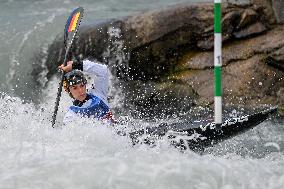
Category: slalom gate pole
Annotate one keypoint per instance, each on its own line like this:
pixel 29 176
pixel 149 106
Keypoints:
pixel 217 63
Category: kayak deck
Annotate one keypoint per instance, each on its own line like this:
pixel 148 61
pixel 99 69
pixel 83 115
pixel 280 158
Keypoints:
pixel 199 134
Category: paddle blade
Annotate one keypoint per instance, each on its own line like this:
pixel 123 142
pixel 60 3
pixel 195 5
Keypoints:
pixel 70 31
pixel 72 26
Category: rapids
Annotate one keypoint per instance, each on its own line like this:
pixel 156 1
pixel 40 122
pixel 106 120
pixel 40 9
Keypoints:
pixel 88 154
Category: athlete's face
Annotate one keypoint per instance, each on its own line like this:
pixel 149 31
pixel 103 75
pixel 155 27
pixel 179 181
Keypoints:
pixel 78 91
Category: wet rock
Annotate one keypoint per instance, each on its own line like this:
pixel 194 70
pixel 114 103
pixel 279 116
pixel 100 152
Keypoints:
pixel 150 44
pixel 230 21
pixel 278 6
pixel 153 25
pixel 161 38
pixel 165 57
pixel 276 59
pixel 254 29
pixel 280 95
pixel 245 74
pixel 270 44
pixel 206 43
pixel 248 17
pixel 265 9
pixel 158 100
pixel 196 61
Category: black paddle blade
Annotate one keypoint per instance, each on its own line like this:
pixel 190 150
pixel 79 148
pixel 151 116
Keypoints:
pixel 72 26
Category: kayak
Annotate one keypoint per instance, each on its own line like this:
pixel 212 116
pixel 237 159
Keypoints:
pixel 196 135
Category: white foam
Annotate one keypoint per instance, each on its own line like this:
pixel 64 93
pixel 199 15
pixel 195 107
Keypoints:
pixel 273 144
pixel 87 154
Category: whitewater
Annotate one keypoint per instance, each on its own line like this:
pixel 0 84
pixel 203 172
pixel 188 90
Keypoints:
pixel 89 154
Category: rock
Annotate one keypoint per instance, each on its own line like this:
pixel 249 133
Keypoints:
pixel 238 3
pixel 152 99
pixel 254 29
pixel 165 57
pixel 280 103
pixel 265 9
pixel 150 26
pixel 246 82
pixel 171 31
pixel 244 70
pixel 280 94
pixel 196 61
pixel 201 81
pixel 276 59
pixel 248 17
pixel 278 6
pixel 270 44
pixel 146 42
pixel 151 43
pixel 230 21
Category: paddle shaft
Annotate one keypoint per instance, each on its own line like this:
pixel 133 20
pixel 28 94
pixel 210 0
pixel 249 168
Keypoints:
pixel 60 87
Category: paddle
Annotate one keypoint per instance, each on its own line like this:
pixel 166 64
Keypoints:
pixel 70 31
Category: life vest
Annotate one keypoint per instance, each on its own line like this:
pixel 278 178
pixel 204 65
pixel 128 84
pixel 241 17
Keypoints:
pixel 94 107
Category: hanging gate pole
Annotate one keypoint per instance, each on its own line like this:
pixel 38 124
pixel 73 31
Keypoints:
pixel 217 63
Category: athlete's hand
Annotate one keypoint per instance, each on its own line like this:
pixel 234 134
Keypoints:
pixel 66 68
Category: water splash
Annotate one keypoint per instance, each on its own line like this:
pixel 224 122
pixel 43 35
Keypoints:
pixel 90 155
pixel 273 144
pixel 116 53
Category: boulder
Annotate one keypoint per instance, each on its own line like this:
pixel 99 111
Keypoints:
pixel 253 29
pixel 151 43
pixel 278 6
pixel 265 8
pixel 248 17
pixel 276 59
pixel 164 58
pixel 245 72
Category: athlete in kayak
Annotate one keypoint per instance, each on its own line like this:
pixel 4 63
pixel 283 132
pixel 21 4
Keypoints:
pixel 90 103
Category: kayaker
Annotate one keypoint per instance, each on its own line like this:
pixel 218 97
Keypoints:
pixel 90 103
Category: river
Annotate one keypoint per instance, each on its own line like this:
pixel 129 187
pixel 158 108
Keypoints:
pixel 87 154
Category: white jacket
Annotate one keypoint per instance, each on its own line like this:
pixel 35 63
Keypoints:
pixel 99 88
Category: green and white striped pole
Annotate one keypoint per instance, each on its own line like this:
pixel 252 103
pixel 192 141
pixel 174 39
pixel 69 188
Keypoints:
pixel 218 62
